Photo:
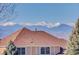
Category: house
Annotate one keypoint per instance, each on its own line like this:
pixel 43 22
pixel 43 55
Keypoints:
pixel 34 43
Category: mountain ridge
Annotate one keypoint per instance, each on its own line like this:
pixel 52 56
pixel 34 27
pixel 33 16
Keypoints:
pixel 60 31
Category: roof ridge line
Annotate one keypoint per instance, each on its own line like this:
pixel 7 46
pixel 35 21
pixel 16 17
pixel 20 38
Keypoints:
pixel 20 32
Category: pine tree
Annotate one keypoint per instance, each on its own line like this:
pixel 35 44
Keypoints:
pixel 11 49
pixel 73 43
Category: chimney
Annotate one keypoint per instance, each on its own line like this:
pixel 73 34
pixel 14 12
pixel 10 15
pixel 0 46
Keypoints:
pixel 35 29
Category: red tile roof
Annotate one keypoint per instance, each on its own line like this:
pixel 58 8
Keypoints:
pixel 26 37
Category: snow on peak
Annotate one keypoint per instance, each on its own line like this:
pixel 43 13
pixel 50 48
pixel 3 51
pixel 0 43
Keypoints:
pixel 7 23
pixel 42 23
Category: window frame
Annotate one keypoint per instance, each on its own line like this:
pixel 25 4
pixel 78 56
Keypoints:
pixel 45 52
pixel 22 51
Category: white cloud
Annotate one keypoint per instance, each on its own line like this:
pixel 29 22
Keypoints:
pixel 71 24
pixel 7 23
pixel 47 24
pixel 54 25
pixel 42 23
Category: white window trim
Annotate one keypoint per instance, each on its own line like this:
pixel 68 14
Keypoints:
pixel 50 50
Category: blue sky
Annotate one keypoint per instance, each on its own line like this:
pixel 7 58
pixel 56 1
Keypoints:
pixel 63 13
pixel 48 15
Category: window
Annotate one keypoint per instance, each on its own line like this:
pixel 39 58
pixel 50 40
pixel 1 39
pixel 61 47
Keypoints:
pixel 20 51
pixel 45 50
pixel 42 50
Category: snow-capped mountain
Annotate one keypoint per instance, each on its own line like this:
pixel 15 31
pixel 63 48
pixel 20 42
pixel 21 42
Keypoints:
pixel 59 30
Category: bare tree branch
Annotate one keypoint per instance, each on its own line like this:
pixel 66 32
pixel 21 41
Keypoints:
pixel 7 11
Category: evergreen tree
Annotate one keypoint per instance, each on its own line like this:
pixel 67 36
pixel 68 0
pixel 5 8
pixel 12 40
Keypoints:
pixel 11 49
pixel 73 43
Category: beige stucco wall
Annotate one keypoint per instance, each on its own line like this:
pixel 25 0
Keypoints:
pixel 31 50
pixel 55 50
pixel 36 50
